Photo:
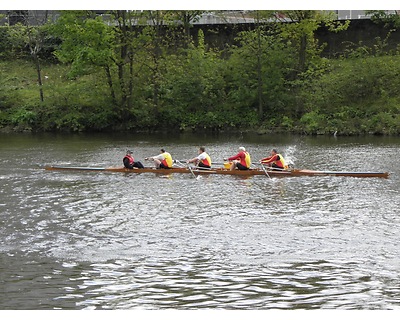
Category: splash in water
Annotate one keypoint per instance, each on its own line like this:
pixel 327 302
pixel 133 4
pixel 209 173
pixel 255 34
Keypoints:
pixel 290 157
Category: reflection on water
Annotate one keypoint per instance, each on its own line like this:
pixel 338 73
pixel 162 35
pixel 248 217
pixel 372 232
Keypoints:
pixel 84 240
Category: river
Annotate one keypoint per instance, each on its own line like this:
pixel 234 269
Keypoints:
pixel 92 240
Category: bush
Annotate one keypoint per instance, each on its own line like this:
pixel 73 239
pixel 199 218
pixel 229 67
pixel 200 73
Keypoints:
pixel 357 95
pixel 313 122
pixel 384 123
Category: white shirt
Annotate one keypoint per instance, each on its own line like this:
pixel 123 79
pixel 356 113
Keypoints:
pixel 202 156
pixel 159 157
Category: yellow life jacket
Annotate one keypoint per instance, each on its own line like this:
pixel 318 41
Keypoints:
pixel 167 159
pixel 247 159
pixel 281 162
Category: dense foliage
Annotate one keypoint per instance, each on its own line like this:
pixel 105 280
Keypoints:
pixel 83 73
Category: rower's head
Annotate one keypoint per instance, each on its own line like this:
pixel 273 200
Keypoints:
pixel 128 152
pixel 202 149
pixel 162 150
pixel 242 149
pixel 274 152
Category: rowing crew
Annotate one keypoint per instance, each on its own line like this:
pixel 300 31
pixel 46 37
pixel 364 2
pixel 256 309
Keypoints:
pixel 240 161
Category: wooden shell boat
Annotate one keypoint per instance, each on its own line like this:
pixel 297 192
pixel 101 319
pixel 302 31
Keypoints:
pixel 244 173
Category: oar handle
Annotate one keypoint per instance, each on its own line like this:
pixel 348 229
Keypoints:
pixel 218 163
pixel 273 168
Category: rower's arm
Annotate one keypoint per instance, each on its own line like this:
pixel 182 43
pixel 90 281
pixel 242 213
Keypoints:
pixel 269 159
pixel 235 157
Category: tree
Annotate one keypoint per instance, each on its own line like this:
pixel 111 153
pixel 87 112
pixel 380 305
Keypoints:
pixel 31 32
pixel 125 48
pixel 391 19
pixel 89 42
pixel 260 17
pixel 187 17
pixel 160 33
pixel 299 26
pixel 86 44
pixel 260 65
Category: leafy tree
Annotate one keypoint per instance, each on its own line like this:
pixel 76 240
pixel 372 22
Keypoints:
pixel 127 45
pixel 193 94
pixel 260 18
pixel 31 33
pixel 260 65
pixel 86 44
pixel 90 43
pixel 389 19
pixel 299 26
pixel 187 17
pixel 159 49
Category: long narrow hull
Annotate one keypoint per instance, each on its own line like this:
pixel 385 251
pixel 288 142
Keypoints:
pixel 250 172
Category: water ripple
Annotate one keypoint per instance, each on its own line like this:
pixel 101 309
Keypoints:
pixel 109 241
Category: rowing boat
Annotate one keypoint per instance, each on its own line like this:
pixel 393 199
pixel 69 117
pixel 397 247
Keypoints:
pixel 244 173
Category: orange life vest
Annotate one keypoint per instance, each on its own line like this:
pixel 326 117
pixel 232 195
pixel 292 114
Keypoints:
pixel 281 162
pixel 206 161
pixel 130 158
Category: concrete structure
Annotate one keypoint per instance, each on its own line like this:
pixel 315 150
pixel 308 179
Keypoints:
pixel 208 18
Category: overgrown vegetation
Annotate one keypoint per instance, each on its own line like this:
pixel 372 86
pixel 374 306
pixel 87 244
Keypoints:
pixel 85 73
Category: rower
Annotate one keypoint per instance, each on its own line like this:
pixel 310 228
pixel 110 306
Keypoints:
pixel 163 160
pixel 129 161
pixel 241 161
pixel 203 160
pixel 275 161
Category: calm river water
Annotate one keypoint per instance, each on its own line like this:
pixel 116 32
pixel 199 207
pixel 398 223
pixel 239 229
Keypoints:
pixel 91 240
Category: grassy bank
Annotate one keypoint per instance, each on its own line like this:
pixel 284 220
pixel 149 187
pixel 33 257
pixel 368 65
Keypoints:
pixel 69 104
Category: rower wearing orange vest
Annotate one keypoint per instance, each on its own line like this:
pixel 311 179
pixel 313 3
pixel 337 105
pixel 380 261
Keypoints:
pixel 202 160
pixel 242 160
pixel 275 160
pixel 163 160
pixel 129 161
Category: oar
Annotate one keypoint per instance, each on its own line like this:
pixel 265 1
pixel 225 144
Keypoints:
pixel 191 171
pixel 179 163
pixel 218 163
pixel 278 169
pixel 253 163
pixel 182 165
pixel 202 168
pixel 265 170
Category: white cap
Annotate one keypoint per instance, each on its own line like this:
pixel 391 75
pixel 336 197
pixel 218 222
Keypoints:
pixel 242 149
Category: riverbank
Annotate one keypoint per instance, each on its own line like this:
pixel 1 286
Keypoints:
pixel 356 96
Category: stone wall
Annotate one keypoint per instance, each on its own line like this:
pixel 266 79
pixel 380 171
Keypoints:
pixel 360 30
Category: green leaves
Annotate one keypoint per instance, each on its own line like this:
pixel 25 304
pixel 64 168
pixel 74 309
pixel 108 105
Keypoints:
pixel 119 71
pixel 85 42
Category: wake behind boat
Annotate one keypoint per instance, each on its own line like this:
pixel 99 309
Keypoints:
pixel 223 171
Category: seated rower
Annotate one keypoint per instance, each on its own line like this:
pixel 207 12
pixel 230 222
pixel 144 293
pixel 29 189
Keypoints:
pixel 163 160
pixel 203 160
pixel 129 161
pixel 275 160
pixel 241 161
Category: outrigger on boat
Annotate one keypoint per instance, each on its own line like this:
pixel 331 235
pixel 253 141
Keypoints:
pixel 251 172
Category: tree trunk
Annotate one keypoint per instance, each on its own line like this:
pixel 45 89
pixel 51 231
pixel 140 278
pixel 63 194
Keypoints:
pixel 259 72
pixel 302 52
pixel 122 58
pixel 130 86
pixel 156 57
pixel 39 75
pixel 110 85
